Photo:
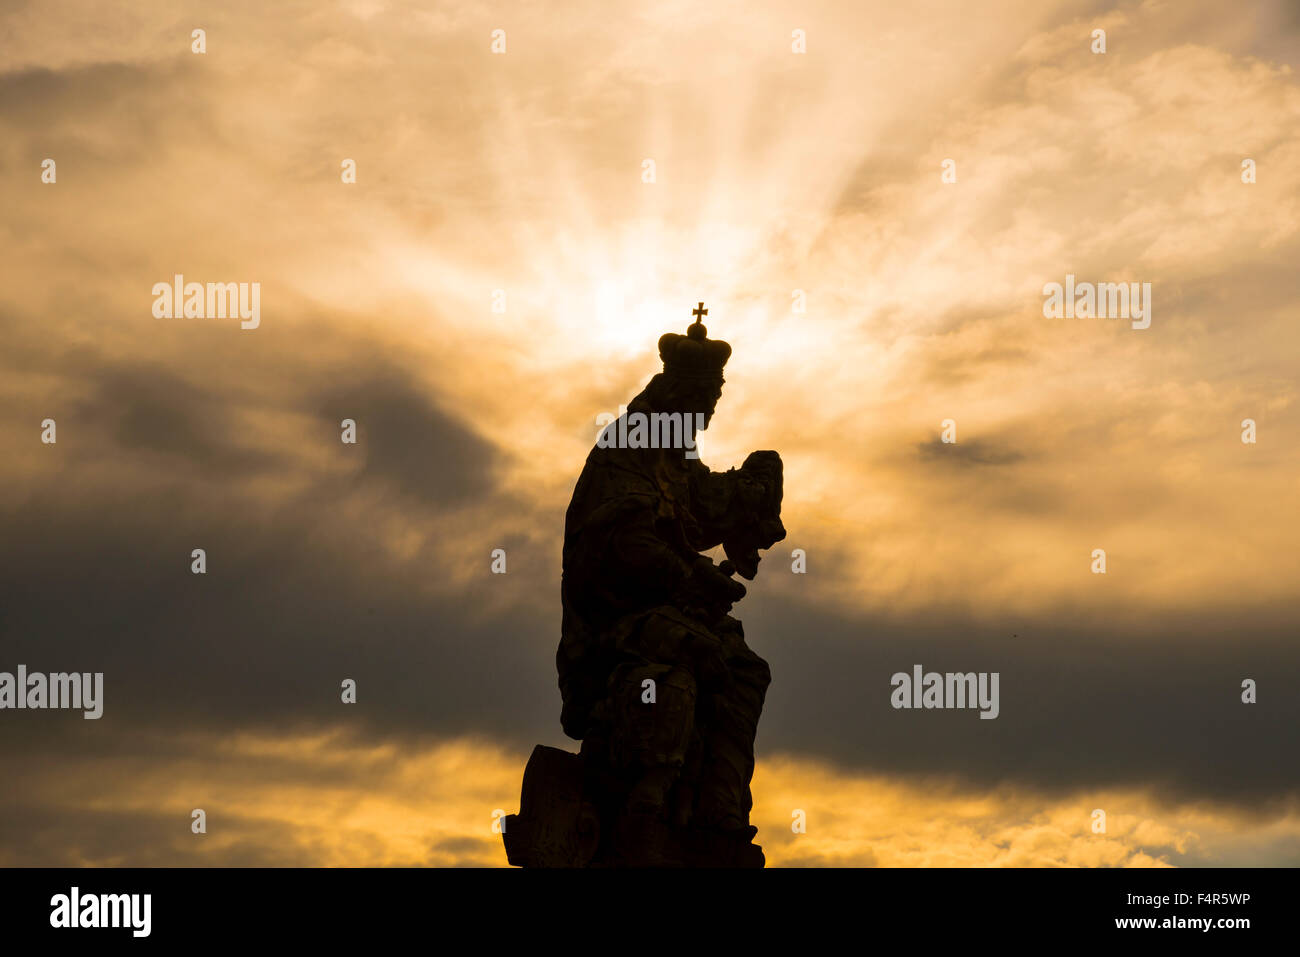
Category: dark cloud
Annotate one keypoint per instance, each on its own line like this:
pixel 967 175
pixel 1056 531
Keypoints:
pixel 474 848
pixel 1088 700
pixel 101 120
pixel 290 607
pixel 77 836
pixel 866 859
pixel 410 443
pixel 156 460
pixel 967 452
pixel 148 410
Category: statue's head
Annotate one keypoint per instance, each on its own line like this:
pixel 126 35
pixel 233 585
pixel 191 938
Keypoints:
pixel 692 378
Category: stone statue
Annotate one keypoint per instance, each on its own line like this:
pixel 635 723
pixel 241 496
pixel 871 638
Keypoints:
pixel 655 675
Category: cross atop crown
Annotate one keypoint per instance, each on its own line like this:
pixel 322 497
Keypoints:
pixel 696 329
pixel 694 355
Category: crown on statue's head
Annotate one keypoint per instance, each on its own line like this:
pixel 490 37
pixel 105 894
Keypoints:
pixel 694 355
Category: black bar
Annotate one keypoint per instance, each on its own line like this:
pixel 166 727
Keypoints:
pixel 333 905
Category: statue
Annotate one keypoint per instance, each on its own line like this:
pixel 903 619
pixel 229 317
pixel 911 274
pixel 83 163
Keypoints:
pixel 655 675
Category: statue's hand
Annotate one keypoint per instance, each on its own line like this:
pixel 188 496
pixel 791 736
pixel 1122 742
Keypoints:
pixel 709 589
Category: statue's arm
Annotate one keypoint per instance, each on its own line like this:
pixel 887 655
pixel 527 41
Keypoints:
pixel 741 508
pixel 712 495
pixel 638 553
pixel 726 502
pixel 637 550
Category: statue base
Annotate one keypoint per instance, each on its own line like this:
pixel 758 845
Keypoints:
pixel 567 819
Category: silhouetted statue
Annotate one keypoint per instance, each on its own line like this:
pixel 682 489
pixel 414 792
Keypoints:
pixel 656 677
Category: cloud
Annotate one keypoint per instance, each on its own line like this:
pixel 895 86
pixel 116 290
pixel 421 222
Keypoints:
pixel 978 452
pixel 306 800
pixel 340 799
pixel 868 821
pixel 411 443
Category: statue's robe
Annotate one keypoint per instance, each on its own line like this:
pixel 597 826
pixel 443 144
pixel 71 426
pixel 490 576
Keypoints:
pixel 636 525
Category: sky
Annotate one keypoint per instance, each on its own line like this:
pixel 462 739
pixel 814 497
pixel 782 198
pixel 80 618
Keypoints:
pixel 497 277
